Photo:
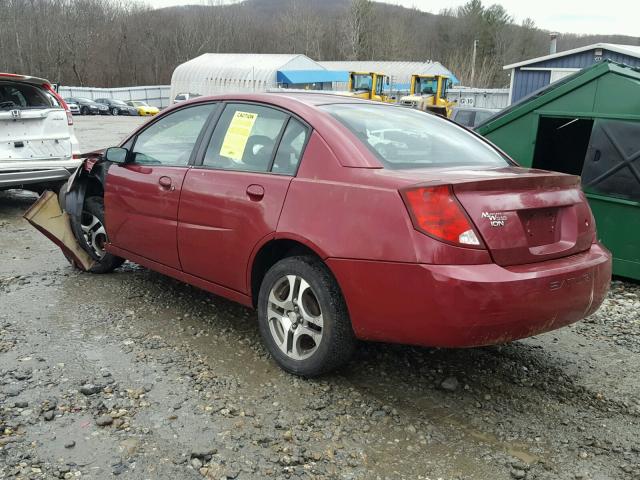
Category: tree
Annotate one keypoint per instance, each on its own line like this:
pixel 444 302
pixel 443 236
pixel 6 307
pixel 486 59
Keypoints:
pixel 359 29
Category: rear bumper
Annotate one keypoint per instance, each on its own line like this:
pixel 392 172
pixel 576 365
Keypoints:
pixel 37 173
pixel 470 305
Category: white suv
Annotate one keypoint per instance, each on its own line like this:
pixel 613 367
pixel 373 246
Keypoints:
pixel 38 149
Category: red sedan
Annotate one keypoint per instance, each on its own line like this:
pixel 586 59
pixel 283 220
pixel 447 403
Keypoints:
pixel 341 219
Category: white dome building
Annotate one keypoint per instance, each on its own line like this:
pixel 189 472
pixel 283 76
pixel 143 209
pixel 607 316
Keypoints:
pixel 213 73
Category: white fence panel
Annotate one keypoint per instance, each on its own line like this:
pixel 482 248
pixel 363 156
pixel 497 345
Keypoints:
pixel 479 97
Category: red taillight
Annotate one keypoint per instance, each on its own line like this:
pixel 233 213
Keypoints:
pixel 436 212
pixel 63 104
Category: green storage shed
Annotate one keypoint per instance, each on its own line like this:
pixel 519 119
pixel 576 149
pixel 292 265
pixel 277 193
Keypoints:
pixel 586 124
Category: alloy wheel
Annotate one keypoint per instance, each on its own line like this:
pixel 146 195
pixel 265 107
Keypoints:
pixel 94 233
pixel 295 317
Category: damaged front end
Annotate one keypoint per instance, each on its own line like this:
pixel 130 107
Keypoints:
pixel 59 217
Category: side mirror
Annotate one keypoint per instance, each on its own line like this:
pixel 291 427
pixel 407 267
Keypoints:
pixel 116 155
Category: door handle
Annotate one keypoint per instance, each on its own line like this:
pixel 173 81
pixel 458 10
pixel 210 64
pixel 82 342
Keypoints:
pixel 165 182
pixel 255 192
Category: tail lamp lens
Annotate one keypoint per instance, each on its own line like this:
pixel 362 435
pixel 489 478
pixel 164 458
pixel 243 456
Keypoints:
pixel 61 101
pixel 436 212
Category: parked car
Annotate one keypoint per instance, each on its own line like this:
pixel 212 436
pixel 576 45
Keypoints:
pixel 183 97
pixel 88 106
pixel 39 149
pixel 471 117
pixel 73 108
pixel 143 107
pixel 292 204
pixel 117 107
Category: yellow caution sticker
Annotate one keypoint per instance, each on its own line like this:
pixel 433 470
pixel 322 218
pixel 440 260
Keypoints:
pixel 237 135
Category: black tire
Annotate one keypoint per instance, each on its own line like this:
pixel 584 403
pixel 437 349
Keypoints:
pixel 62 195
pixel 105 262
pixel 84 111
pixel 114 111
pixel 337 339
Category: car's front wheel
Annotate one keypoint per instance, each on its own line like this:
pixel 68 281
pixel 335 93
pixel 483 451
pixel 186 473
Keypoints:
pixel 114 111
pixel 95 236
pixel 303 317
pixel 84 111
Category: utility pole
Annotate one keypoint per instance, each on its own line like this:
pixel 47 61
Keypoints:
pixel 473 62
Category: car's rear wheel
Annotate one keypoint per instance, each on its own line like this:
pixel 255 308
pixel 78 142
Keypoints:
pixel 303 317
pixel 95 236
pixel 114 111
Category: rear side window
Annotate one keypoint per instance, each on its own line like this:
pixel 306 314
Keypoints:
pixel 170 140
pixel 290 150
pixel 403 138
pixel 21 96
pixel 245 138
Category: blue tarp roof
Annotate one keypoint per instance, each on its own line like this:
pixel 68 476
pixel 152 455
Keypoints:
pixel 311 76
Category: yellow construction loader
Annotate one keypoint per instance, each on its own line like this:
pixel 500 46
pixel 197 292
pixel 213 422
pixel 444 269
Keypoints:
pixel 370 86
pixel 429 93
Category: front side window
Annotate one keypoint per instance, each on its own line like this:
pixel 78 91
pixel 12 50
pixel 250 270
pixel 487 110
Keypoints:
pixel 245 138
pixel 170 140
pixel 403 138
pixel 380 84
pixel 445 86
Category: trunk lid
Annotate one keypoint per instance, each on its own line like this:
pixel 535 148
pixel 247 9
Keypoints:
pixel 528 217
pixel 34 134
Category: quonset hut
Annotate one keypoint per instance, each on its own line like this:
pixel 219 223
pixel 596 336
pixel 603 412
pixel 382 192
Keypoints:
pixel 213 73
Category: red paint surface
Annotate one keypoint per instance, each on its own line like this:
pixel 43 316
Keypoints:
pixel 540 269
pixel 221 219
pixel 141 215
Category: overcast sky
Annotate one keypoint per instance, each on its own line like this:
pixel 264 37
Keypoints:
pixel 575 16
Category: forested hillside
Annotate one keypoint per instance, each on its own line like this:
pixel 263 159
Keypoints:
pixel 121 43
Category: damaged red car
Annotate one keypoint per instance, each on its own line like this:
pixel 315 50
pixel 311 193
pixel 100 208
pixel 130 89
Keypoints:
pixel 340 219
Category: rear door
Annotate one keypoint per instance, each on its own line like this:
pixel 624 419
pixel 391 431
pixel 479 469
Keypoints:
pixel 234 198
pixel 33 127
pixel 141 197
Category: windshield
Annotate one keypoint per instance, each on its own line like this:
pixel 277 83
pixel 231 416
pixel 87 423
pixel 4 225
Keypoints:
pixel 22 96
pixel 361 81
pixel 404 138
pixel 426 86
pixel 139 104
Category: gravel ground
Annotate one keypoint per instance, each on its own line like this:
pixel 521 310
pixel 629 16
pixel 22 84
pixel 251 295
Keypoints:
pixel 135 375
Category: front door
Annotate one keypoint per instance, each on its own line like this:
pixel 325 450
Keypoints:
pixel 234 198
pixel 142 196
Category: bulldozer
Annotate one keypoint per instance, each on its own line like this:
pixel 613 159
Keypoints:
pixel 428 93
pixel 369 85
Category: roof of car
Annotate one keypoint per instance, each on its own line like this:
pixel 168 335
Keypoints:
pixel 23 78
pixel 318 98
pixel 300 97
